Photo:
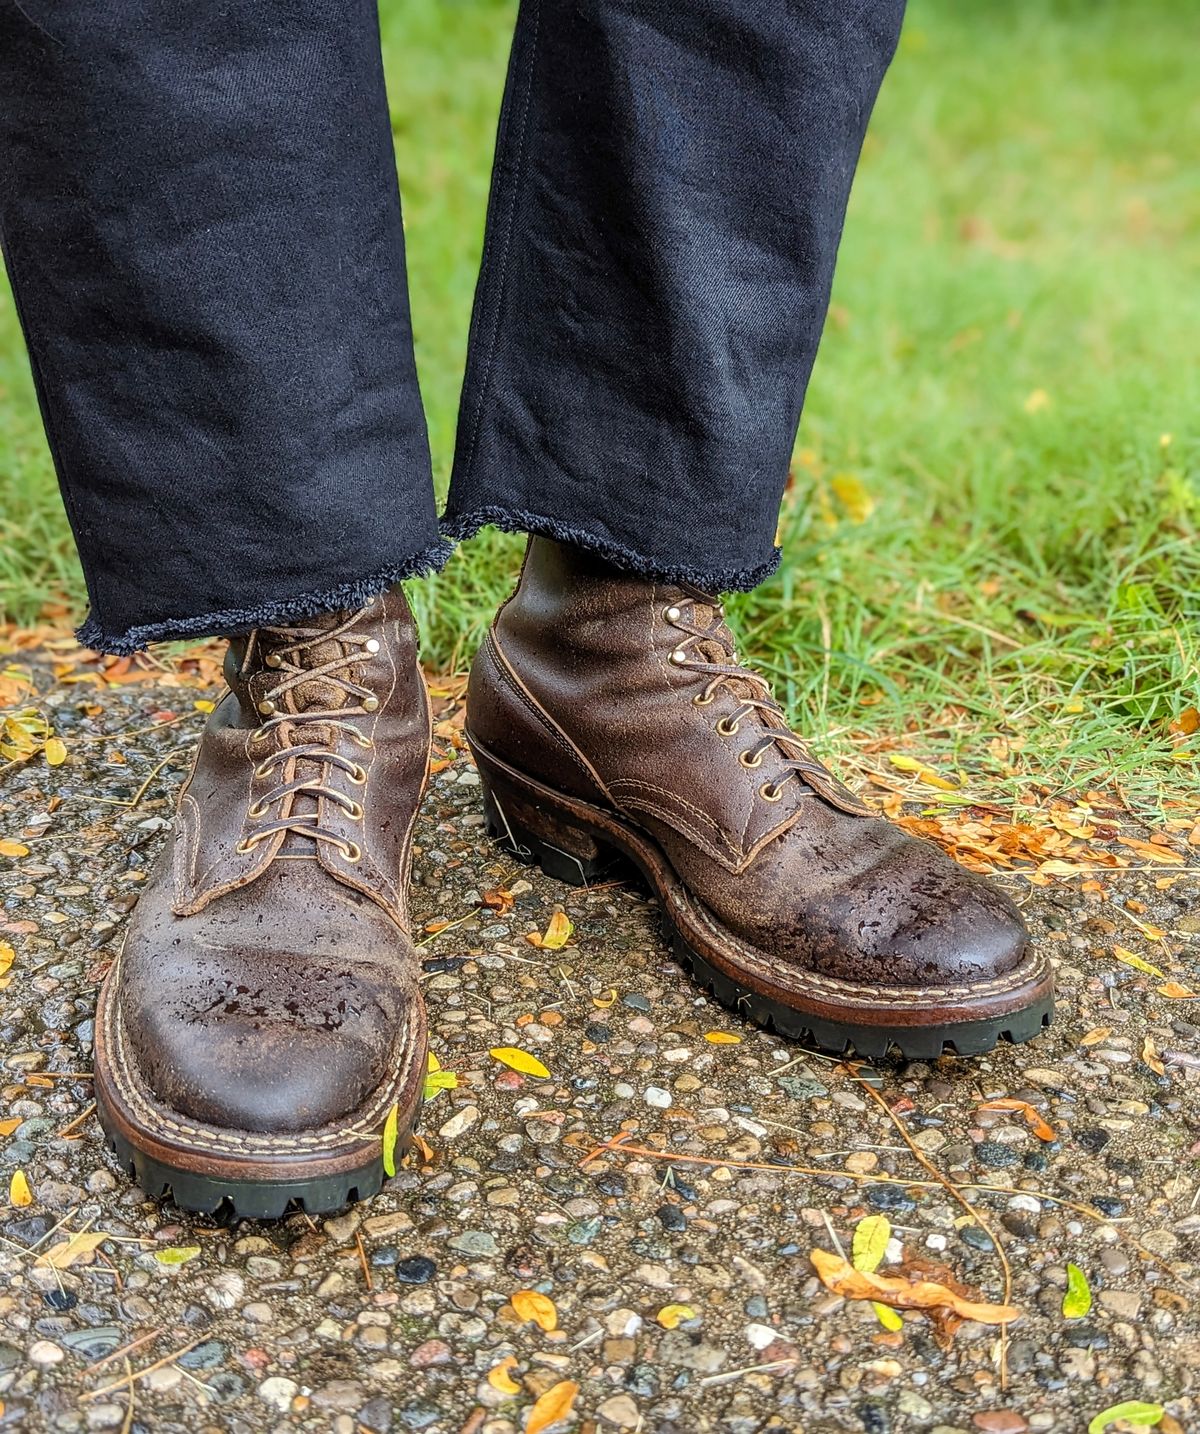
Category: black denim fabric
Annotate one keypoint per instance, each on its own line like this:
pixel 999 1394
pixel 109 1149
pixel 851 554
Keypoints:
pixel 201 221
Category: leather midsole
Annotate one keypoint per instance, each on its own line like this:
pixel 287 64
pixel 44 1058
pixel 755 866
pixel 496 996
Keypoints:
pixel 825 997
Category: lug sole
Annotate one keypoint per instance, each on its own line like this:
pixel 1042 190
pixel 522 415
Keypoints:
pixel 582 846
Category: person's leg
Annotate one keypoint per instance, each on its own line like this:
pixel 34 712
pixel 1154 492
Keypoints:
pixel 200 216
pixel 671 181
pixel 202 222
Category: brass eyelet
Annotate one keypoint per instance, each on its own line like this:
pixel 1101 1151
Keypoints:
pixel 678 656
pixel 273 659
pixel 266 707
pixel 245 846
pixel 264 770
pixel 370 704
pixel 256 809
pixel 700 700
pixel 769 792
pixel 364 742
pixel 355 811
pixel 352 852
pixel 359 775
pixel 728 728
pixel 672 613
pixel 744 759
pixel 372 645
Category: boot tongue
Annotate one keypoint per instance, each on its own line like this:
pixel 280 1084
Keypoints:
pixel 311 694
pixel 720 648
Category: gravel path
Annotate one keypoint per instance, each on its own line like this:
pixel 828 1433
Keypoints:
pixel 392 1316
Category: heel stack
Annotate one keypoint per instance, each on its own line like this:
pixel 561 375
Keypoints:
pixel 540 832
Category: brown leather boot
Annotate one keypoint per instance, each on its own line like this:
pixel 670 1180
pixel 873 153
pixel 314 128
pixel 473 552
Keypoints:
pixel 263 1016
pixel 610 719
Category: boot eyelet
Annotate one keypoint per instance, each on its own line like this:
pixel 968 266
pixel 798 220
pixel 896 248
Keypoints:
pixel 769 792
pixel 728 728
pixel 372 645
pixel 256 809
pixel 273 659
pixel 355 811
pixel 360 741
pixel 359 775
pixel 245 846
pixel 745 759
pixel 370 704
pixel 264 770
pixel 267 707
pixel 700 700
pixel 678 657
pixel 672 613
pixel 352 852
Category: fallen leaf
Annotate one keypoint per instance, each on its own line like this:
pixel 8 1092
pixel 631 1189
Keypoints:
pixel 672 1316
pixel 438 1081
pixel 498 900
pixel 13 848
pixel 519 1061
pixel 871 1236
pixel 843 1279
pixel 1175 992
pixel 1031 1116
pixel 1152 851
pixel 19 1192
pixel 8 1126
pixel 603 1002
pixel 390 1133
pixel 1151 1056
pixel 56 752
pixel 852 494
pixel 921 772
pixel 557 934
pixel 722 1038
pixel 1096 1035
pixel 498 1376
pixel 554 1405
pixel 202 704
pixel 424 1148
pixel 1037 400
pixel 539 1308
pixel 63 1255
pixel 7 957
pixel 1078 1299
pixel 1137 963
pixel 1187 722
pixel 1133 1411
pixel 177 1254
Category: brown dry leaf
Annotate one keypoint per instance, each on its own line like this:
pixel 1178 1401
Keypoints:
pixel 63 1255
pixel 8 1126
pixel 1173 991
pixel 424 1149
pixel 1152 851
pixel 498 900
pixel 539 1308
pixel 1096 1035
pixel 554 1405
pixel 1187 722
pixel 1022 1107
pixel 843 1279
pixel 1151 1056
pixel 499 1378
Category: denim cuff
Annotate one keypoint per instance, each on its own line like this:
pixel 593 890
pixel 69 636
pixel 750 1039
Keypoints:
pixel 279 612
pixel 459 526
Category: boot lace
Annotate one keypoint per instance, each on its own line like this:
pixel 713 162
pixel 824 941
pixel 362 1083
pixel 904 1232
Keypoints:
pixel 708 649
pixel 304 736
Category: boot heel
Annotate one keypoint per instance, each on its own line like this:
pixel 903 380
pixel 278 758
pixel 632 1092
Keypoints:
pixel 538 835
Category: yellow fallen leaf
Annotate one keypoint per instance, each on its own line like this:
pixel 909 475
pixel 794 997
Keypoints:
pixel 921 772
pixel 390 1132
pixel 843 1279
pixel 1096 1035
pixel 871 1236
pixel 722 1038
pixel 19 1192
pixel 498 1376
pixel 672 1316
pixel 13 848
pixel 530 1305
pixel 1175 992
pixel 603 1002
pixel 851 492
pixel 63 1255
pixel 7 957
pixel 8 1126
pixel 1152 851
pixel 557 934
pixel 176 1254
pixel 553 1406
pixel 519 1061
pixel 56 751
pixel 1137 963
pixel 1022 1107
pixel 1037 400
pixel 202 704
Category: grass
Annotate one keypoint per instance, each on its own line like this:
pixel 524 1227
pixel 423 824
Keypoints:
pixel 991 540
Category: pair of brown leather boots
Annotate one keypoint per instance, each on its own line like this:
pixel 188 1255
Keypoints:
pixel 264 1016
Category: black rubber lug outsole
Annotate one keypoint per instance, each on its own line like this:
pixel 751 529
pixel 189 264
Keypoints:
pixel 963 1038
pixel 229 1200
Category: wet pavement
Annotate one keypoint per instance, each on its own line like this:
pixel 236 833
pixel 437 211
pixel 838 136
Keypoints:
pixel 676 1262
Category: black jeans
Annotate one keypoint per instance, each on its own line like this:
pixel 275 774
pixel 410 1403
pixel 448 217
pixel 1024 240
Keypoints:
pixel 202 226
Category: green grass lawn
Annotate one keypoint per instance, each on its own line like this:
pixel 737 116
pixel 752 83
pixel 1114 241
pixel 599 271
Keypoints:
pixel 990 543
